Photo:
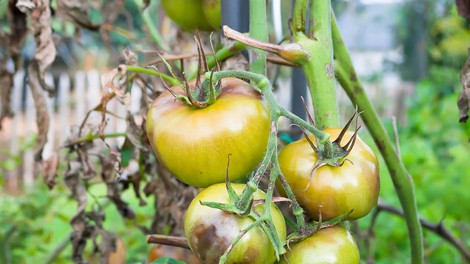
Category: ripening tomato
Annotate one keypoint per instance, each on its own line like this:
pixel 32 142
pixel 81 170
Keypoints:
pixel 188 14
pixel 212 12
pixel 194 144
pixel 210 231
pixel 332 245
pixel 182 254
pixel 333 191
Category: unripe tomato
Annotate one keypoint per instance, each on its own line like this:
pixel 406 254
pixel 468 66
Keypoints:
pixel 332 190
pixel 212 12
pixel 194 144
pixel 332 245
pixel 182 254
pixel 210 231
pixel 188 14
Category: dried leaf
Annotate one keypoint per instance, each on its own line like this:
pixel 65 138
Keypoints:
pixel 76 12
pixel 463 8
pixel 40 22
pixel 108 81
pixel 17 21
pixel 170 196
pixel 81 229
pixel 6 79
pixel 112 189
pixel 42 115
pixel 50 170
pixel 464 98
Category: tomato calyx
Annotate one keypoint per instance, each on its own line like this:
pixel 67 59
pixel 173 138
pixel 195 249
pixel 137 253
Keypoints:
pixel 332 153
pixel 314 227
pixel 200 94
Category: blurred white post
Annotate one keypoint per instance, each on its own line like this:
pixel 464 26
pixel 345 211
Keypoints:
pixel 63 110
pixel 49 147
pixel 79 97
pixel 14 128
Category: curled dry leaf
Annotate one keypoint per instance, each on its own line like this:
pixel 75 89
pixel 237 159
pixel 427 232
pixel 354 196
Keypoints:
pixel 42 115
pixel 81 230
pixel 464 97
pixel 17 21
pixel 40 23
pixel 50 170
pixel 107 82
pixel 6 79
pixel 112 189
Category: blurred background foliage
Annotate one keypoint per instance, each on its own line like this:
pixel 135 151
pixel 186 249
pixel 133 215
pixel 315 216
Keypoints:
pixel 434 146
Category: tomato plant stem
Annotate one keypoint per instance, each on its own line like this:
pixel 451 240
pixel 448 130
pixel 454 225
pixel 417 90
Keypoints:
pixel 153 72
pixel 91 137
pixel 259 31
pixel 401 179
pixel 318 67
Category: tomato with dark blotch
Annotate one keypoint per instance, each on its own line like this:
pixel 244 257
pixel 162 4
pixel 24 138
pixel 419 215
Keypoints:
pixel 182 254
pixel 188 14
pixel 331 245
pixel 332 191
pixel 211 231
pixel 195 143
pixel 212 12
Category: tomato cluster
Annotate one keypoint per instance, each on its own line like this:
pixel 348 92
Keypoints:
pixel 195 144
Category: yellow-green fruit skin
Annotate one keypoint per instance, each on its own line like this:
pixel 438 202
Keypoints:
pixel 195 144
pixel 188 14
pixel 212 12
pixel 332 191
pixel 332 245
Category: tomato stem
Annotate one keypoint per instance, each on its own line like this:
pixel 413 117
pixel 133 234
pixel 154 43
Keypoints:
pixel 138 69
pixel 259 31
pixel 318 67
pixel 401 178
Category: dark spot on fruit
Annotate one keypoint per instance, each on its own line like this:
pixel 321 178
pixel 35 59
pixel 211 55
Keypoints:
pixel 208 246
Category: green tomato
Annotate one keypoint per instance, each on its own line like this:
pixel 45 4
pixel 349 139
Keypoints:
pixel 194 144
pixel 188 14
pixel 212 12
pixel 332 191
pixel 211 231
pixel 332 245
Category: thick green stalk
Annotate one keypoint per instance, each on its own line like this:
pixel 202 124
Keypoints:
pixel 259 31
pixel 401 179
pixel 318 68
